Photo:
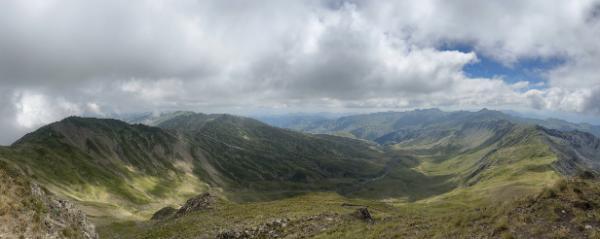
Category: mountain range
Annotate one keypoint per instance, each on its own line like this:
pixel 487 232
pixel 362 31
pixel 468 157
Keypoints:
pixel 417 163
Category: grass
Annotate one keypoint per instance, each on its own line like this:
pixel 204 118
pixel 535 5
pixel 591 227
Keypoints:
pixel 27 211
pixel 242 215
pixel 569 207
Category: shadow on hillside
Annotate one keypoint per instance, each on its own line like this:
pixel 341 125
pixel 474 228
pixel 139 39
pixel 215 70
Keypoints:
pixel 398 182
pixel 402 183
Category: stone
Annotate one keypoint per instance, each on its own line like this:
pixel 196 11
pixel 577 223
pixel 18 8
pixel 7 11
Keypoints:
pixel 201 202
pixel 164 213
pixel 364 214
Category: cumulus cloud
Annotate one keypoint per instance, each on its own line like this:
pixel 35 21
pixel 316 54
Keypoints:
pixel 64 57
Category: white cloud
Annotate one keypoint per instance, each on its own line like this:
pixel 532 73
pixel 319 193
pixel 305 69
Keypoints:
pixel 159 90
pixel 34 110
pixel 61 58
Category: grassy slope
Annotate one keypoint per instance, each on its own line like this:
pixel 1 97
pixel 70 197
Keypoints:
pixel 20 212
pixel 27 211
pixel 567 209
pixel 468 191
pixel 263 162
pixel 118 171
pixel 472 163
pixel 471 166
pixel 114 170
pixel 519 163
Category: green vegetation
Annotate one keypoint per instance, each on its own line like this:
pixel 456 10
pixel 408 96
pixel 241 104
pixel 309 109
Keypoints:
pixel 567 209
pixel 422 174
pixel 107 164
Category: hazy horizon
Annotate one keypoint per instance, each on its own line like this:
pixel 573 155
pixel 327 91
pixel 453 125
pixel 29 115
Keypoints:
pixel 5 141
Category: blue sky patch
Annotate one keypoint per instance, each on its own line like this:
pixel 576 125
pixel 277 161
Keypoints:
pixel 526 69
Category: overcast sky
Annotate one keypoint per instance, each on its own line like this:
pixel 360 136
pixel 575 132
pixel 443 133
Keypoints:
pixel 73 57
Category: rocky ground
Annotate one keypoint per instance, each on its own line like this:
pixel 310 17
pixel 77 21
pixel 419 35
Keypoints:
pixel 29 211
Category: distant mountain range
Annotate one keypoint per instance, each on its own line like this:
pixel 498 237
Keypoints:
pixel 119 171
pixel 387 122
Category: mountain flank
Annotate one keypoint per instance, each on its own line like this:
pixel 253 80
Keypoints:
pixel 390 163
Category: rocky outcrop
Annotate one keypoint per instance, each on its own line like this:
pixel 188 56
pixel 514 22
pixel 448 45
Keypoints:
pixel 304 227
pixel 29 211
pixel 64 219
pixel 274 229
pixel 577 151
pixel 201 202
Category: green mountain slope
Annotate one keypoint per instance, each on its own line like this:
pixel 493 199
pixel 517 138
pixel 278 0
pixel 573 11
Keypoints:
pixel 117 170
pixel 503 180
pixel 120 171
pixel 468 155
pixel 112 168
pixel 256 157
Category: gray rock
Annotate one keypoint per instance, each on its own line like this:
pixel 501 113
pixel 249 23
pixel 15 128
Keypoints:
pixel 364 214
pixel 201 202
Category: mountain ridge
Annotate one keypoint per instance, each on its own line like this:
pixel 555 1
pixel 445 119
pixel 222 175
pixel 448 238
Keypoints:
pixel 393 118
pixel 120 171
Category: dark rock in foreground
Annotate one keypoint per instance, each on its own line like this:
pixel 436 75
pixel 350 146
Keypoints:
pixel 164 213
pixel 364 214
pixel 201 202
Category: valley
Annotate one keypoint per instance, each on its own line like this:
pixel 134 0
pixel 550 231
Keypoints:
pixel 420 174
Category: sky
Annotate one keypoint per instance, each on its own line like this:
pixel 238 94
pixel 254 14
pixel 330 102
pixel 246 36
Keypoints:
pixel 107 57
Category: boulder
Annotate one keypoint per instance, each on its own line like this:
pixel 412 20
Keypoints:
pixel 201 202
pixel 363 214
pixel 164 213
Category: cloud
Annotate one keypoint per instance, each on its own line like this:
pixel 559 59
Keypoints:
pixel 35 109
pixel 62 57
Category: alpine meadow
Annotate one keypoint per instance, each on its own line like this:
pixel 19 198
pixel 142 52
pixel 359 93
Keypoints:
pixel 240 119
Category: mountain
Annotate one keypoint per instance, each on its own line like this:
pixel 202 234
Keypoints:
pixel 396 162
pixel 115 169
pixel 566 126
pixel 151 119
pixel 479 172
pixel 374 125
pixel 295 120
pixel 112 168
pixel 469 152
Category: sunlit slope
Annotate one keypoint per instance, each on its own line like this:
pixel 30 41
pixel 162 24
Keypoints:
pixel 505 160
pixel 485 153
pixel 113 168
pixel 119 170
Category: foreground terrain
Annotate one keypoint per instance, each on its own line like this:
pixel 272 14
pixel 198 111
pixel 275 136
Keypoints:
pixel 417 174
pixel 568 209
pixel 29 211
